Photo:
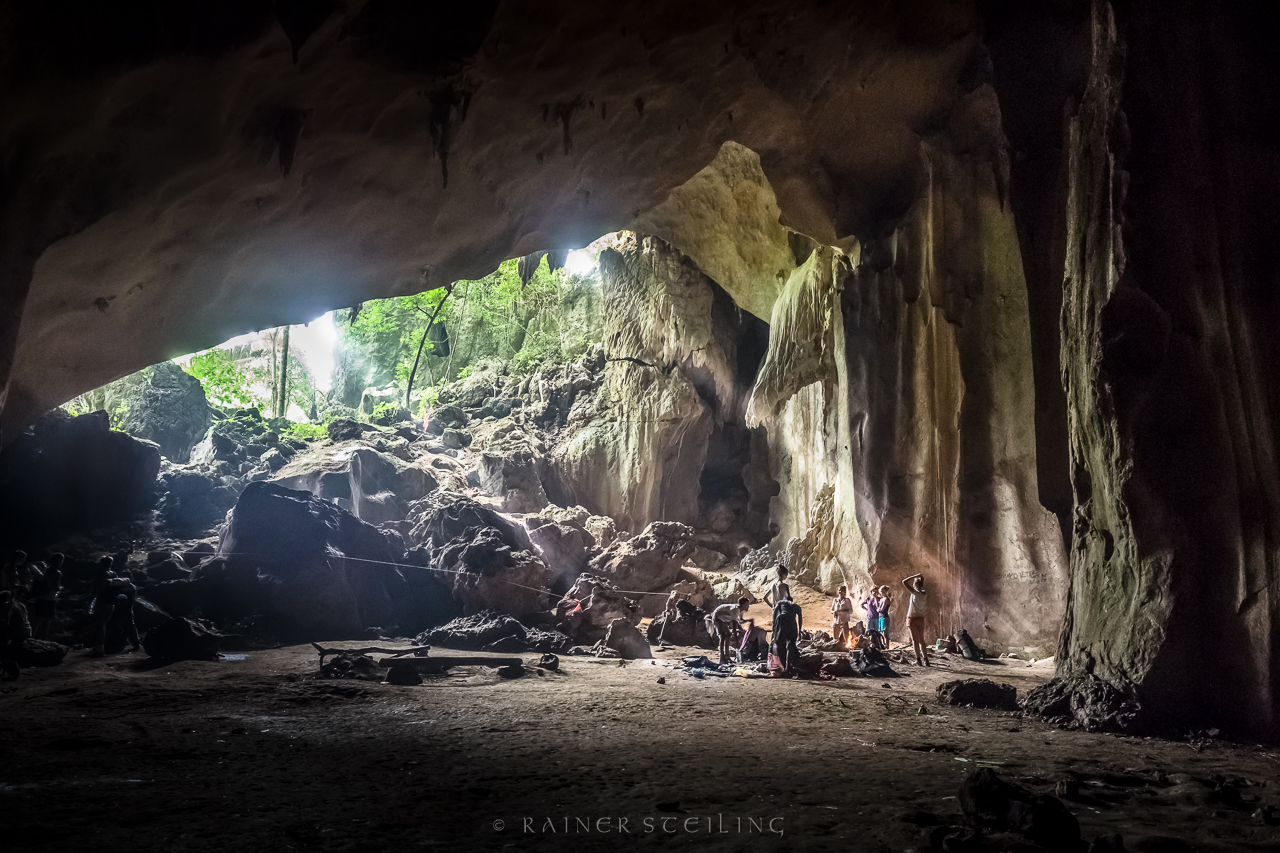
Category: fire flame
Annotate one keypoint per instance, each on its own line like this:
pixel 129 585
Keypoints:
pixel 850 641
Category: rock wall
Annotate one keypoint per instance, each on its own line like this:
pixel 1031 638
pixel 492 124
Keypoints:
pixel 1169 356
pixel 635 450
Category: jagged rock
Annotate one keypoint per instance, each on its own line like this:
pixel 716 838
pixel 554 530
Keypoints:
pixel 387 395
pixel 514 476
pixel 560 537
pixel 979 693
pixel 456 439
pixel 190 500
pixel 625 639
pixel 686 629
pixel 590 606
pixel 376 487
pixel 992 802
pixel 198 552
pixel 443 517
pixel 1085 702
pixel 168 570
pixel 342 429
pixel 164 404
pixel 603 529
pixel 475 631
pixel 32 652
pixel 447 417
pixel 314 569
pixel 182 639
pixel 648 562
pixel 489 574
pixel 73 474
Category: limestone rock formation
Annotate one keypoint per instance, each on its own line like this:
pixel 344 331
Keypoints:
pixel 314 569
pixel 626 639
pixel 376 487
pixel 561 538
pixel 74 474
pixel 590 606
pixel 511 467
pixel 161 403
pixel 647 562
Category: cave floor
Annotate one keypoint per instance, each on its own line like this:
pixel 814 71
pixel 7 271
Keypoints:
pixel 256 754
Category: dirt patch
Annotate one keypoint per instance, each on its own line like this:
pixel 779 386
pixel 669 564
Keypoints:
pixel 256 754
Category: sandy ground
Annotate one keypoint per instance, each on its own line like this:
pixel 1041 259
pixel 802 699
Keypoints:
pixel 256 754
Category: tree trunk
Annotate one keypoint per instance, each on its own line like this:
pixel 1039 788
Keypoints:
pixel 282 399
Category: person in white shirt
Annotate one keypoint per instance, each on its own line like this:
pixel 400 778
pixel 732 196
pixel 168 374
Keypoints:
pixel 726 621
pixel 780 589
pixel 841 614
pixel 916 610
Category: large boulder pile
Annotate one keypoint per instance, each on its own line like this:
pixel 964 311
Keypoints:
pixel 376 487
pixel 590 606
pixel 511 467
pixel 563 539
pixel 315 570
pixel 75 473
pixel 488 557
pixel 648 562
pixel 164 404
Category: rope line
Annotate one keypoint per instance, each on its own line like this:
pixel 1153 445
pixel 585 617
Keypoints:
pixel 429 569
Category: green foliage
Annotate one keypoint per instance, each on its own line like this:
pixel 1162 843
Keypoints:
pixel 226 384
pixel 306 431
pixel 384 410
pixel 522 325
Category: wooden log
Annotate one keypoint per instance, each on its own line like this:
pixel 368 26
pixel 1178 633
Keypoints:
pixel 416 651
pixel 437 664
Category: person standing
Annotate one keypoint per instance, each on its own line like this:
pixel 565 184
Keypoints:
pixel 883 601
pixel 841 614
pixel 780 589
pixel 112 605
pixel 44 597
pixel 788 620
pixel 872 609
pixel 916 610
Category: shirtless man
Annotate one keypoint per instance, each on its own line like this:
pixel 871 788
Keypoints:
pixel 726 620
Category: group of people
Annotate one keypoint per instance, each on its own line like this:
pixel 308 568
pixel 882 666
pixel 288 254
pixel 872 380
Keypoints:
pixel 30 592
pixel 877 603
pixel 874 602
pixel 732 627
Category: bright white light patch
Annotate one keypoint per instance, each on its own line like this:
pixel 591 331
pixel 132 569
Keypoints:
pixel 313 343
pixel 580 262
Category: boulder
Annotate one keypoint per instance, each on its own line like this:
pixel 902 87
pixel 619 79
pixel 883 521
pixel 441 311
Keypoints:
pixel 33 652
pixel 163 404
pixel 442 517
pixel 75 473
pixel 488 573
pixel 475 631
pixel 387 395
pixel 315 570
pixel 515 477
pixel 560 538
pixel 511 467
pixel 456 439
pixel 603 529
pixel 191 500
pixel 343 429
pixel 978 693
pixel 446 417
pixel 590 607
pixel 376 487
pixel 626 639
pixel 648 562
pixel 182 639
pixel 686 629
pixel 403 675
pixel 989 801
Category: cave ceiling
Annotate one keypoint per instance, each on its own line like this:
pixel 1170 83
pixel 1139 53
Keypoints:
pixel 178 173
